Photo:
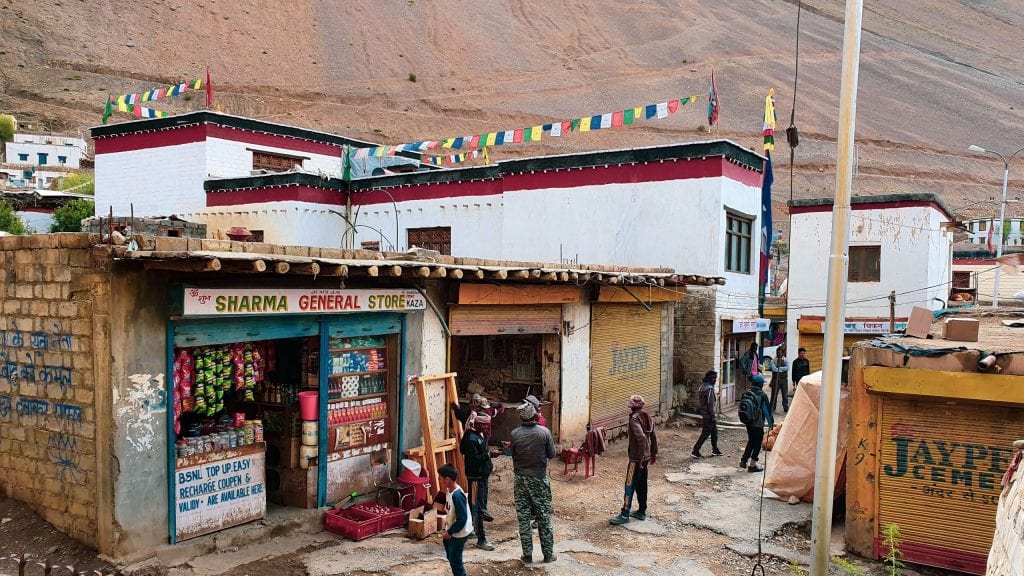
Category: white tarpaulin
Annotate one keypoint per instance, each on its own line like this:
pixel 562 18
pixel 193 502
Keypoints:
pixel 1007 555
pixel 791 469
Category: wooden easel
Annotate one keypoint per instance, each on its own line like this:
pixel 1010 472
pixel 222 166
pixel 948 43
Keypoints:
pixel 432 455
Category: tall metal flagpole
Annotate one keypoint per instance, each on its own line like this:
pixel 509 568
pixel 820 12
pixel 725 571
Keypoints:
pixel 835 311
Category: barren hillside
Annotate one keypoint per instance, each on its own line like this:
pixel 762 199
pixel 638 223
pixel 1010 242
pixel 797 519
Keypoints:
pixel 936 75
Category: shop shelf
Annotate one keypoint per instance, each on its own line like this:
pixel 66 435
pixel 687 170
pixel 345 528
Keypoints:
pixel 361 349
pixel 340 374
pixel 336 398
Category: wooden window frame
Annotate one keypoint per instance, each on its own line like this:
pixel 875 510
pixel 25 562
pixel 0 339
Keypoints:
pixel 860 269
pixel 283 163
pixel 442 245
pixel 739 244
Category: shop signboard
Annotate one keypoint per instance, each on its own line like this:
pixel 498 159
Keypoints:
pixel 751 325
pixel 870 327
pixel 257 301
pixel 212 494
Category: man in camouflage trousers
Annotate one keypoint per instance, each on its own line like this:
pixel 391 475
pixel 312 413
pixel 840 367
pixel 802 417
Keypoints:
pixel 532 447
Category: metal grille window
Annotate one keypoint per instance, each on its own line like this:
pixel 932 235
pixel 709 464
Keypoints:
pixel 865 264
pixel 274 162
pixel 439 238
pixel 737 243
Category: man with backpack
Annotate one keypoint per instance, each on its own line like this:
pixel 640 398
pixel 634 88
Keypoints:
pixel 709 419
pixel 755 414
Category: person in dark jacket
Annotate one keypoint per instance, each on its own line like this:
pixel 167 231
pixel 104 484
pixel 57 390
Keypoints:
pixel 532 446
pixel 755 429
pixel 479 467
pixel 643 451
pixel 708 416
pixel 780 383
pixel 750 363
pixel 801 367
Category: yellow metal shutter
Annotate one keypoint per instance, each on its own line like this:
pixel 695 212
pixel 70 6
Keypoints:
pixel 625 359
pixel 944 503
pixel 505 320
pixel 815 345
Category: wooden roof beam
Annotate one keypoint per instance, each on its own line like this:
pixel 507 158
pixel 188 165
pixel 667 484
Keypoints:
pixel 206 265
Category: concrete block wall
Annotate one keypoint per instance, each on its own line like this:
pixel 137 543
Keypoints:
pixel 54 297
pixel 145 226
pixel 694 348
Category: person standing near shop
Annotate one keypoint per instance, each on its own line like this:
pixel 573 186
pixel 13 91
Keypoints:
pixel 643 451
pixel 458 525
pixel 780 384
pixel 479 467
pixel 750 363
pixel 708 416
pixel 801 367
pixel 536 404
pixel 755 415
pixel 532 446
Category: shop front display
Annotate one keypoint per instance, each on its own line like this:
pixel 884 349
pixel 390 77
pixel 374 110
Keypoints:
pixel 272 406
pixel 812 335
pixel 498 351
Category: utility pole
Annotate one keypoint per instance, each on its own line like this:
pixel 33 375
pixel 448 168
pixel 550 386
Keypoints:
pixel 835 307
pixel 892 312
pixel 1002 209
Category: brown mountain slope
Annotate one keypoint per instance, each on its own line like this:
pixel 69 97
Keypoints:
pixel 936 75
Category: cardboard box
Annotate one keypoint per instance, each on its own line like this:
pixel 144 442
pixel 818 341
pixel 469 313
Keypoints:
pixel 961 329
pixel 422 522
pixel 920 322
pixel 283 452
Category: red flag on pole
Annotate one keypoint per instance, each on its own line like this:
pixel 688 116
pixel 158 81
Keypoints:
pixel 209 89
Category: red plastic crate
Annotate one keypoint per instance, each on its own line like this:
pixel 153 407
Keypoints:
pixel 352 523
pixel 390 517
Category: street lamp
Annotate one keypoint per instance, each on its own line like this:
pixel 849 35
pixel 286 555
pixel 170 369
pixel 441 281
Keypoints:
pixel 1002 208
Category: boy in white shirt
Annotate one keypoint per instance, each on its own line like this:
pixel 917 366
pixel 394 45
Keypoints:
pixel 458 524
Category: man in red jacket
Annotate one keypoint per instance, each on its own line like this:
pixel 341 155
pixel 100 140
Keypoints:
pixel 643 451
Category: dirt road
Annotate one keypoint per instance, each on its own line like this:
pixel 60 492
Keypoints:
pixel 702 521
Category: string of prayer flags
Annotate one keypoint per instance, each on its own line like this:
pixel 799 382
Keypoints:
pixel 130 103
pixel 536 133
pixel 456 158
pixel 769 121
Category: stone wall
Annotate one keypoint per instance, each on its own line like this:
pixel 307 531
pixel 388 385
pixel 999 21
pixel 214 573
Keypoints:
pixel 54 298
pixel 694 350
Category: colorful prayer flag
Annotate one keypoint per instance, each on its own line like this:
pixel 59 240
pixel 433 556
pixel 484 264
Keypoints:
pixel 766 229
pixel 627 116
pixel 769 121
pixel 713 105
pixel 662 109
pixel 209 89
pixel 650 111
pixel 556 129
pixel 107 111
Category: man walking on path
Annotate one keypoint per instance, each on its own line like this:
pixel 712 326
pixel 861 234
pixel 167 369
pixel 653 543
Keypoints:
pixel 750 363
pixel 458 526
pixel 780 384
pixel 532 447
pixel 755 414
pixel 643 451
pixel 478 472
pixel 801 367
pixel 708 417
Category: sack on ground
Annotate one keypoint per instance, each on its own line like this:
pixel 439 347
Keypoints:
pixel 769 440
pixel 748 409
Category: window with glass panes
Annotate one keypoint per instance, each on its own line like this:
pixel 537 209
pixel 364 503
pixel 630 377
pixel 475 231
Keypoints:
pixel 737 243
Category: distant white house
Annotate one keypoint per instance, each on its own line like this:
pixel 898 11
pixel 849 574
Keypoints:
pixel 46 150
pixel 900 243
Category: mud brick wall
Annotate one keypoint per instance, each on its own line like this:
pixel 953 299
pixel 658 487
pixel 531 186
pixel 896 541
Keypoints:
pixel 694 352
pixel 54 296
